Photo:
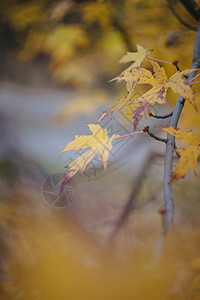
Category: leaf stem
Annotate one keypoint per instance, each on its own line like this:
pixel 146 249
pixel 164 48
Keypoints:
pixel 194 77
pixel 194 83
pixel 126 135
pixel 156 59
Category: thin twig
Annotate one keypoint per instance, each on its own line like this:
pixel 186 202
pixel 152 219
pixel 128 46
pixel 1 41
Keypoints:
pixel 169 203
pixel 157 138
pixel 177 154
pixel 160 117
pixel 130 205
pixel 175 63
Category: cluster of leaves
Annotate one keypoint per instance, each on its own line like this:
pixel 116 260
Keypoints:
pixel 99 142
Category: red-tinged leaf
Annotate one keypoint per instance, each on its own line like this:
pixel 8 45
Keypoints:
pixel 139 112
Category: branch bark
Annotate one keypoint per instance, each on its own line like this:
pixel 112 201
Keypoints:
pixel 192 8
pixel 169 205
pixel 178 17
pixel 160 117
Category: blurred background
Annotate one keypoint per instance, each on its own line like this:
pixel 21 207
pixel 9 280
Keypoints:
pixel 102 240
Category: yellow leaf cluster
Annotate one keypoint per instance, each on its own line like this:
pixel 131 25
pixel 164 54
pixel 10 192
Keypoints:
pixel 137 58
pixel 157 79
pixel 160 83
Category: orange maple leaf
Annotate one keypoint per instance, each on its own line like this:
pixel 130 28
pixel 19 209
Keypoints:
pixel 188 155
pixel 98 141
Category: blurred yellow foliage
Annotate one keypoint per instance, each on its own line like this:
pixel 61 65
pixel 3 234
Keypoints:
pixel 98 11
pixel 51 257
pixel 26 14
pixel 85 104
pixel 66 30
pixel 64 40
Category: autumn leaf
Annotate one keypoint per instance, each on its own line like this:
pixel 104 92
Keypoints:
pixel 139 112
pixel 109 111
pixel 188 155
pixel 160 83
pixel 137 57
pixel 178 85
pixel 98 141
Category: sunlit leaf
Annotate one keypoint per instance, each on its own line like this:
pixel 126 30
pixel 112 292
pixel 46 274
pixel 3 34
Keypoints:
pixel 188 155
pixel 98 141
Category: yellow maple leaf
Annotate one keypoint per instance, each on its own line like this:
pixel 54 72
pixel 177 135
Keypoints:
pixel 188 155
pixel 109 111
pixel 98 141
pixel 178 85
pixel 137 57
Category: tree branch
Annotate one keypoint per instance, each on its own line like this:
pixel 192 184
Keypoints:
pixel 157 138
pixel 131 204
pixel 178 17
pixel 160 117
pixel 192 8
pixel 169 205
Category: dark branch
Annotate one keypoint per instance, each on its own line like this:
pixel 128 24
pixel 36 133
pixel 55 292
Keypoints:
pixel 131 204
pixel 160 117
pixel 192 8
pixel 124 34
pixel 157 138
pixel 175 63
pixel 177 154
pixel 177 16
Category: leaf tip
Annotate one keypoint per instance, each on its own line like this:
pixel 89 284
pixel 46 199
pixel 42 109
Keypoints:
pixel 65 181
